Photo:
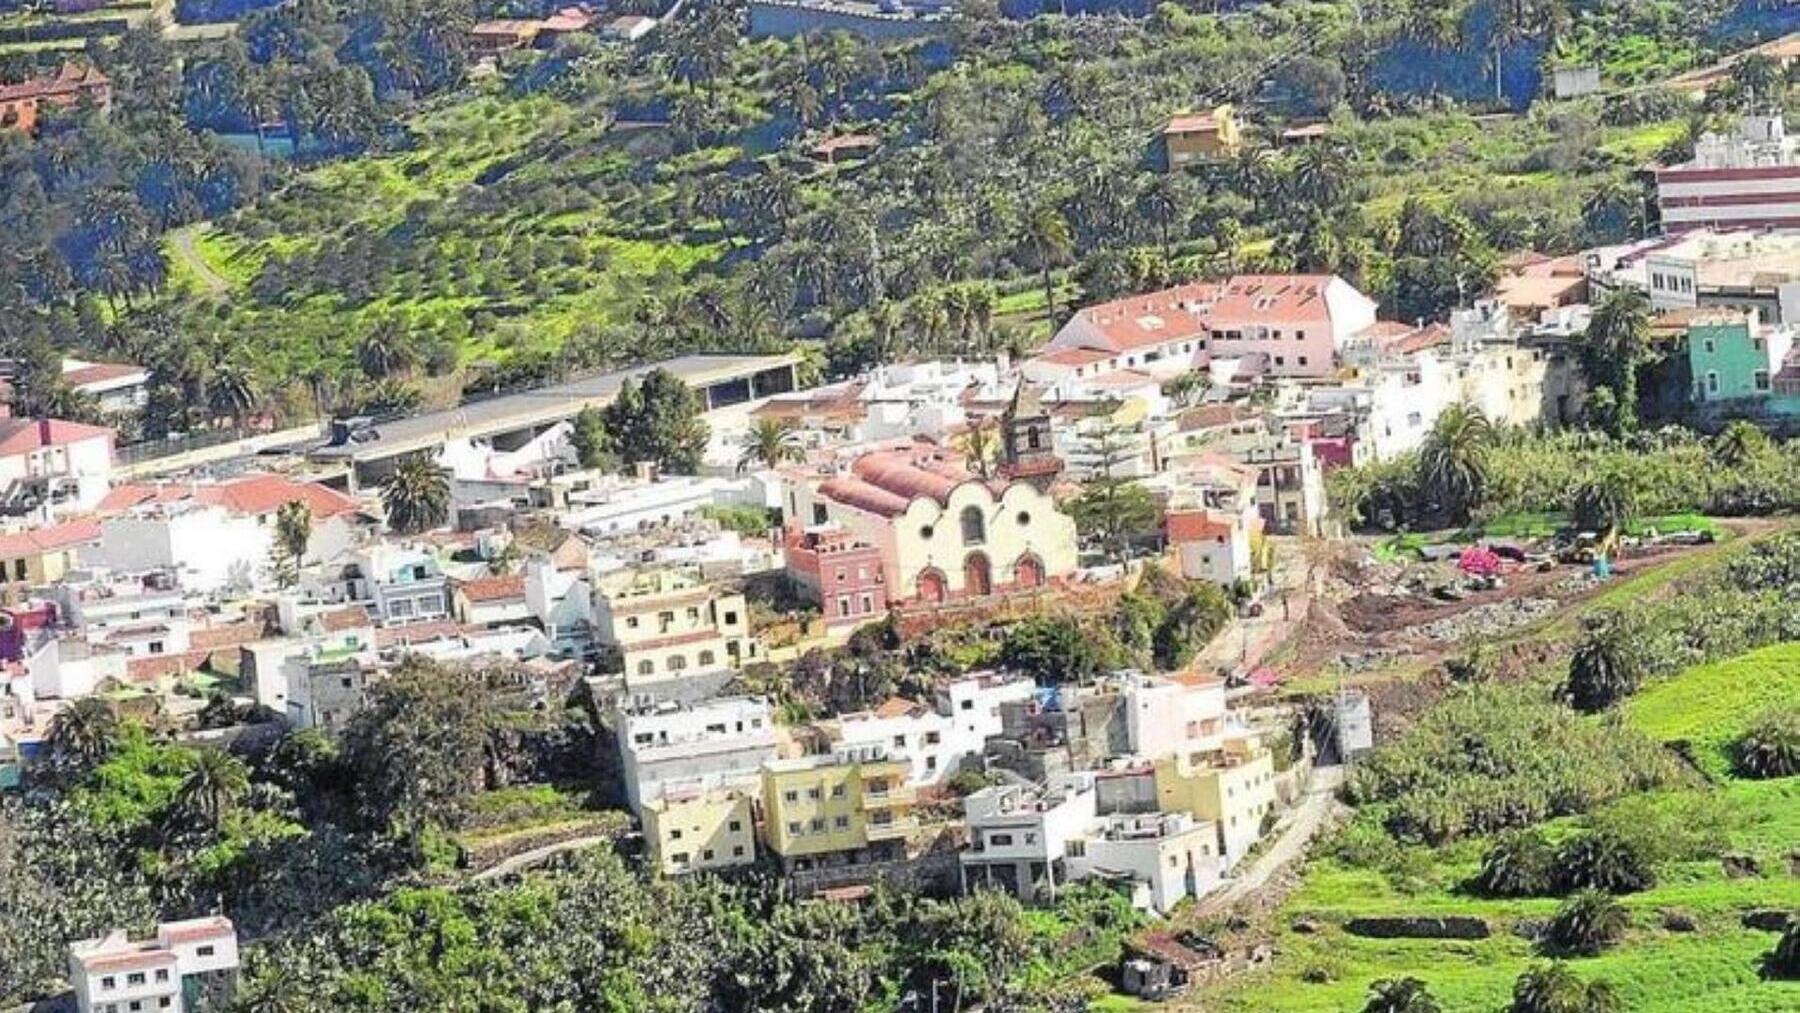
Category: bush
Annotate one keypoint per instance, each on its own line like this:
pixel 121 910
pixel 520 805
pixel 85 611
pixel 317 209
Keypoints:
pixel 1607 666
pixel 1406 995
pixel 1556 989
pixel 1604 861
pixel 1588 922
pixel 1519 864
pixel 1784 960
pixel 1770 748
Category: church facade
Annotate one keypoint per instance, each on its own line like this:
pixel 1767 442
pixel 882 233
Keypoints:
pixel 940 529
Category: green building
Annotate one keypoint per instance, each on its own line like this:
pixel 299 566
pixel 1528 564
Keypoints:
pixel 1732 358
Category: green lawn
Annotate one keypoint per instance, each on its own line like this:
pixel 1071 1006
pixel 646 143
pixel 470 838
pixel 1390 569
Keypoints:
pixel 1712 970
pixel 1711 705
pixel 1545 524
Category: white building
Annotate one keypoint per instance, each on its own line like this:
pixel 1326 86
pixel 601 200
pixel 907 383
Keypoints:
pixel 328 685
pixel 52 466
pixel 936 739
pixel 187 966
pixel 212 550
pixel 1019 836
pixel 721 742
pixel 620 505
pixel 1167 718
pixel 71 667
pixel 1749 178
pixel 117 388
pixel 1170 856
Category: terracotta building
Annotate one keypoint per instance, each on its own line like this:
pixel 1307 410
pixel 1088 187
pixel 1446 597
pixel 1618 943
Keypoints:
pixel 20 104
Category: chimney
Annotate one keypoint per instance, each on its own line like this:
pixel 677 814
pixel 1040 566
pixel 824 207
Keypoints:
pixel 44 432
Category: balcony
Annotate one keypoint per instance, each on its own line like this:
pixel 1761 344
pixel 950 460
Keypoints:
pixel 888 830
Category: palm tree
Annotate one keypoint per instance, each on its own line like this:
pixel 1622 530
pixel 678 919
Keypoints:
pixel 86 731
pixel 1740 443
pixel 1783 962
pixel 1553 988
pixel 1587 922
pixel 233 390
pixel 416 495
pixel 1517 865
pixel 981 446
pixel 1453 462
pixel 1047 240
pixel 383 350
pixel 1320 176
pixel 1604 669
pixel 1616 341
pixel 293 530
pixel 214 784
pixel 1603 503
pixel 1771 747
pixel 768 443
pixel 1404 995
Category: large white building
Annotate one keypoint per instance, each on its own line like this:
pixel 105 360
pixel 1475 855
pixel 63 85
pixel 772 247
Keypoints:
pixel 936 739
pixel 1743 269
pixel 719 743
pixel 187 967
pixel 1749 178
pixel 50 466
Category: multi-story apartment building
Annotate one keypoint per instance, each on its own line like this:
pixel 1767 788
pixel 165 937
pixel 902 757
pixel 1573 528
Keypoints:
pixel 1232 788
pixel 668 625
pixel 838 569
pixel 849 806
pixel 187 967
pixel 1019 836
pixel 326 687
pixel 720 743
pixel 1164 717
pixel 1749 178
pixel 1169 856
pixel 695 829
pixel 935 739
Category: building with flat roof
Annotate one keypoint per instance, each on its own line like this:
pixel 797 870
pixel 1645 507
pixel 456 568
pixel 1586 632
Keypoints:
pixel 187 967
pixel 1742 269
pixel 1748 178
pixel 721 743
pixel 696 829
pixel 849 806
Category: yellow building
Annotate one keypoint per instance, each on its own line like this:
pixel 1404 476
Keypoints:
pixel 1202 137
pixel 694 830
pixel 1233 788
pixel 670 624
pixel 41 556
pixel 849 806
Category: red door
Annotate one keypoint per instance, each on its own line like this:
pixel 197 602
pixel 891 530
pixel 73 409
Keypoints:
pixel 978 576
pixel 931 587
pixel 1030 571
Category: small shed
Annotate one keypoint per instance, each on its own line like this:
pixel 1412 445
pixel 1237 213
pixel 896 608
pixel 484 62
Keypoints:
pixel 1574 82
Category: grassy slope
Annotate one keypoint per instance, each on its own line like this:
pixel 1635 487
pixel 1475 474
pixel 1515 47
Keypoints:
pixel 1655 970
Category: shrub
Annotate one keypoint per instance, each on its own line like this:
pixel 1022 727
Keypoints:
pixel 1519 864
pixel 1602 860
pixel 1405 995
pixel 1555 989
pixel 1784 960
pixel 1770 748
pixel 1607 666
pixel 1588 922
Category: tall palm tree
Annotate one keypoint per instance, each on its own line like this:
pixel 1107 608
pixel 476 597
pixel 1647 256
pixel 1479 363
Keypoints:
pixel 1617 340
pixel 1739 443
pixel 86 731
pixel 293 530
pixel 233 390
pixel 384 350
pixel 213 785
pixel 1553 988
pixel 416 495
pixel 1320 175
pixel 981 446
pixel 1047 239
pixel 768 443
pixel 1453 462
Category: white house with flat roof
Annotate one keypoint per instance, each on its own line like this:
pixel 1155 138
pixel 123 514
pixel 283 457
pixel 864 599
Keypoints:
pixel 721 742
pixel 187 967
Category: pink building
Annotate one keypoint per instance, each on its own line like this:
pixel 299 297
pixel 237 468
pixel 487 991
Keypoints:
pixel 840 570
pixel 1282 325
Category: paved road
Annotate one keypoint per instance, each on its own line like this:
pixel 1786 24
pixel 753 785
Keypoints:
pixel 1293 834
pixel 526 859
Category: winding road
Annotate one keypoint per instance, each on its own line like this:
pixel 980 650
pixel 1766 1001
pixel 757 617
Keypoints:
pixel 216 284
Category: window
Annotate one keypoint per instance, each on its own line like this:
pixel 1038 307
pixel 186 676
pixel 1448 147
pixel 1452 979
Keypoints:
pixel 926 532
pixel 204 951
pixel 136 1005
pixel 932 738
pixel 815 794
pixel 162 974
pixel 1024 519
pixel 1000 840
pixel 135 978
pixel 1302 360
pixel 108 982
pixel 706 658
pixel 790 796
pixel 737 851
pixel 665 620
pixel 842 575
pixel 1708 345
pixel 162 1003
pixel 1761 379
pixel 731 618
pixel 794 828
pixel 868 603
pixel 1712 383
pixel 819 513
pixel 736 826
pixel 931 763
pixel 1076 848
pixel 818 826
pixel 675 834
pixel 837 791
pixel 679 858
pixel 1281 360
pixel 974 528
pixel 968 705
pixel 646 667
pixel 706 855
pixel 844 605
pixel 899 742
pixel 677 662
pixel 841 822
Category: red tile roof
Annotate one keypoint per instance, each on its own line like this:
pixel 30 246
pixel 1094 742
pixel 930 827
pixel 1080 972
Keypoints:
pixel 254 495
pixel 488 589
pixel 71 78
pixel 21 544
pixel 417 633
pixel 21 436
pixel 1073 356
pixel 1198 123
pixel 1196 525
pixel 100 372
pixel 339 620
pixel 1154 318
pixel 885 482
pixel 1274 298
pixel 657 643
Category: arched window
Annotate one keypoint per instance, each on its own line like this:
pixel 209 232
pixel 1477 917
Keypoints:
pixel 974 528
pixel 646 667
pixel 706 658
pixel 677 662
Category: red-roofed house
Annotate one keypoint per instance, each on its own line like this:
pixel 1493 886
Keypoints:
pixel 20 104
pixel 491 601
pixel 117 387
pixel 65 465
pixel 1201 137
pixel 185 961
pixel 37 556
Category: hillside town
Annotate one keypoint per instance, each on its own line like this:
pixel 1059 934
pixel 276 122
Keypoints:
pixel 1332 597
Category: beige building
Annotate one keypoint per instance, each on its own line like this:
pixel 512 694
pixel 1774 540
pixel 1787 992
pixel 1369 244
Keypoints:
pixel 944 531
pixel 1202 137
pixel 670 624
pixel 689 830
pixel 1232 788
